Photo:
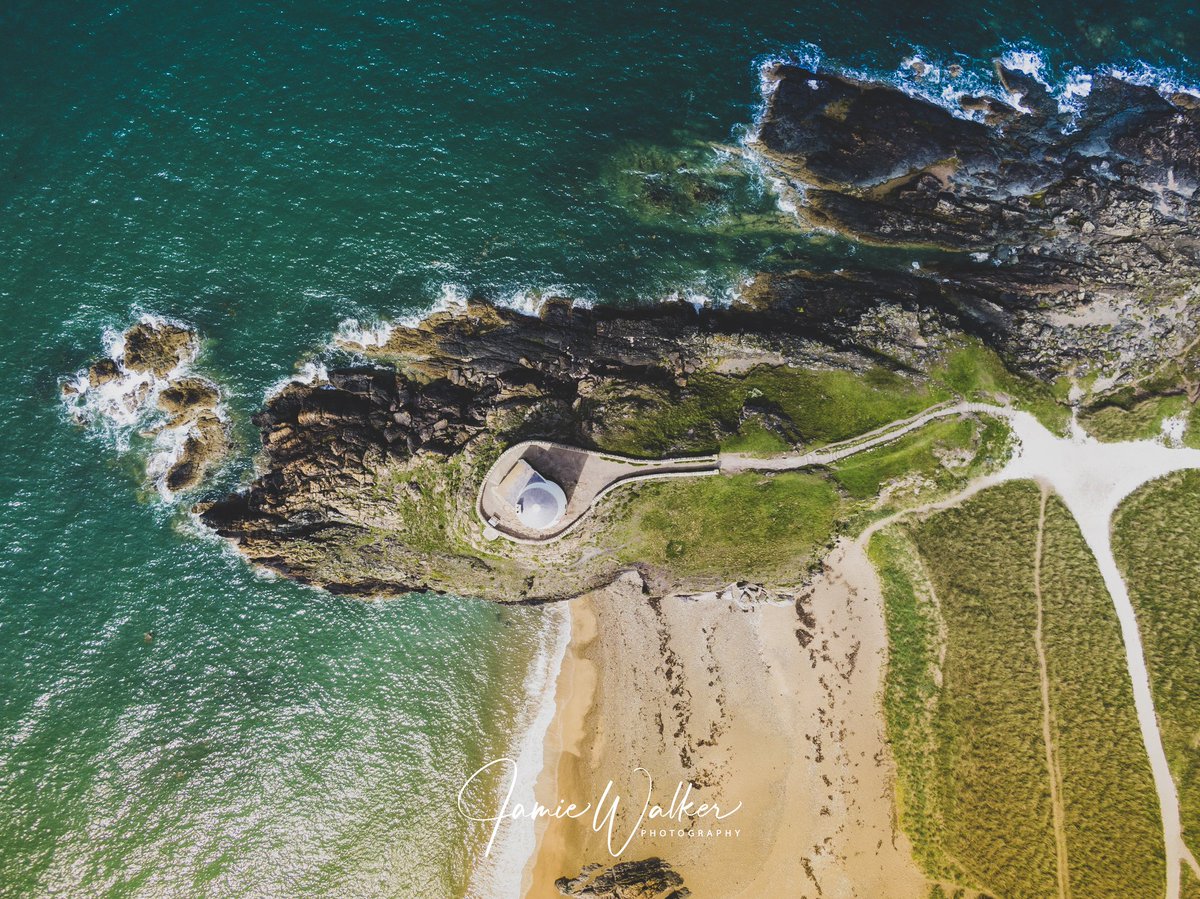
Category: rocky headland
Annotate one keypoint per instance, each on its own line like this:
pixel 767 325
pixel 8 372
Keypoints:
pixel 1075 231
pixel 1063 245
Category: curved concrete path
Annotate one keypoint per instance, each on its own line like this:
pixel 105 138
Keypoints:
pixel 584 475
pixel 588 475
pixel 834 452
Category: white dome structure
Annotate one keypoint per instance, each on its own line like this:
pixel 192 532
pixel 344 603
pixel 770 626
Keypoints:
pixel 541 503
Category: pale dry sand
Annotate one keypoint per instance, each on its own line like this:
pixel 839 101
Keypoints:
pixel 724 695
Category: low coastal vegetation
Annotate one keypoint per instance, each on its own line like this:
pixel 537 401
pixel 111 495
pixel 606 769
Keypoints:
pixel 768 524
pixel 772 408
pixel 964 709
pixel 794 405
pixel 1142 420
pixel 1162 403
pixel 985 777
pixel 1156 541
pixel 773 527
pixel 1112 820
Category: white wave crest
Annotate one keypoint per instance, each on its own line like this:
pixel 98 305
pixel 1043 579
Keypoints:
pixel 921 74
pixel 501 874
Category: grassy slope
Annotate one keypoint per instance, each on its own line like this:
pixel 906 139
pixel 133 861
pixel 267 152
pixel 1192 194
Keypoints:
pixel 1156 539
pixel 1141 421
pixel 973 791
pixel 740 526
pixel 823 406
pixel 1114 831
pixel 917 454
pixel 976 373
pixel 1190 887
pixel 818 406
pixel 910 693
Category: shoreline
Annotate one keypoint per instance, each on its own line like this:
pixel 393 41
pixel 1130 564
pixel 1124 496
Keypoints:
pixel 503 874
pixel 770 706
pixel 563 744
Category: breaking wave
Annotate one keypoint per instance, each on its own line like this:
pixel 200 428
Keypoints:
pixel 945 82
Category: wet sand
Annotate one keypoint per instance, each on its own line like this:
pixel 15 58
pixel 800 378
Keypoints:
pixel 774 706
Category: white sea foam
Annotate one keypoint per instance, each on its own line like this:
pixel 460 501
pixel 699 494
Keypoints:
pixel 530 300
pixel 313 371
pixel 500 875
pixel 702 297
pixel 352 332
pixel 356 334
pixel 921 75
pixel 1165 81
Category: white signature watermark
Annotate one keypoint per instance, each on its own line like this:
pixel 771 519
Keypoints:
pixel 604 810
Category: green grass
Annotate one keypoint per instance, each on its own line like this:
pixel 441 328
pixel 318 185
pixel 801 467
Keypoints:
pixel 966 730
pixel 1140 421
pixel 819 405
pixel 1156 539
pixel 1112 819
pixel 975 372
pixel 755 440
pixel 864 474
pixel 993 813
pixel 911 690
pixel 746 526
pixel 1190 887
pixel 806 406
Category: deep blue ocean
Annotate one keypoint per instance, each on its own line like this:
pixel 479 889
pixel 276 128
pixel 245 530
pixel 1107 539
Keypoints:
pixel 265 173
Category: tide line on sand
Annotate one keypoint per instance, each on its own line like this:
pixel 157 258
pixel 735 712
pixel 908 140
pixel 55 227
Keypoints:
pixel 499 875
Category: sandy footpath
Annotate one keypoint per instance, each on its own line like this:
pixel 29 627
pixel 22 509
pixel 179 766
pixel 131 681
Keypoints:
pixel 773 706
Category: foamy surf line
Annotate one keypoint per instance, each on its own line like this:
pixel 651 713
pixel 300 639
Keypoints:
pixel 365 334
pixel 500 875
pixel 921 74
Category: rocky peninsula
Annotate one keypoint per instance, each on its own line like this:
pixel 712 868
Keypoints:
pixel 368 480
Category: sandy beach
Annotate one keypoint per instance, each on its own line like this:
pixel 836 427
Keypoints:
pixel 773 706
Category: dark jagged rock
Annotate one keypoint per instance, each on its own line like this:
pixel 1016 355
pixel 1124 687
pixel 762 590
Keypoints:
pixel 648 878
pixel 1084 229
pixel 158 347
pixel 191 404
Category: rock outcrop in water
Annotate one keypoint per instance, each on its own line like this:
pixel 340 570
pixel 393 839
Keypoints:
pixel 1081 225
pixel 1062 244
pixel 147 373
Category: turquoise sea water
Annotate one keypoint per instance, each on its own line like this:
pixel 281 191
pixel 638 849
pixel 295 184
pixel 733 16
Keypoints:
pixel 264 173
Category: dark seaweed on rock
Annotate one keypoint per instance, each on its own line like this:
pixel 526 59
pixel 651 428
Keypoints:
pixel 647 878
